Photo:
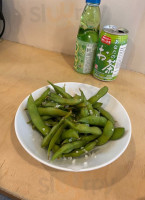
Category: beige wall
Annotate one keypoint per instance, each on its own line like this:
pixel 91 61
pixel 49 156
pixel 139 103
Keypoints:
pixel 53 25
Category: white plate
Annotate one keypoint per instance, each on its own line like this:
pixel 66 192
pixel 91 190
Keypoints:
pixel 102 156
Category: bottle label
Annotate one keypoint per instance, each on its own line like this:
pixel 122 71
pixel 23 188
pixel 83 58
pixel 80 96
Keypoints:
pixel 84 56
pixel 119 59
pixel 109 58
pixel 106 40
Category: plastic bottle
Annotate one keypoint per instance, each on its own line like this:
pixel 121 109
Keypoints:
pixel 87 37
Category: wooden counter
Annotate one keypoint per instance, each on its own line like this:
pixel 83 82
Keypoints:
pixel 23 69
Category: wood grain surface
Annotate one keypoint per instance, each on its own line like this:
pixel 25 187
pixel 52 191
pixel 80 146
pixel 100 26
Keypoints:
pixel 23 69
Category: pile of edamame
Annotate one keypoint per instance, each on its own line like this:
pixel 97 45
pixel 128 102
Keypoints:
pixel 71 126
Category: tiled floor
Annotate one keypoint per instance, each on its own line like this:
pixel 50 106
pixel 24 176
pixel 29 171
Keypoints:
pixel 4 197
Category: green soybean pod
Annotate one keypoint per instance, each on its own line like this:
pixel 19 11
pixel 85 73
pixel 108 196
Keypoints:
pixel 35 117
pixel 59 141
pixel 60 90
pixel 55 138
pixel 80 105
pixel 85 139
pixel 96 112
pixel 42 97
pixel 90 108
pixel 83 112
pixel 78 152
pixel 44 118
pixel 49 104
pixel 55 148
pixel 99 94
pixel 33 126
pixel 50 122
pixel 94 120
pixel 67 147
pixel 97 105
pixel 51 111
pixel 68 140
pixel 88 138
pixel 47 138
pixel 107 133
pixel 76 96
pixel 118 133
pixel 83 128
pixel 88 104
pixel 64 89
pixel 70 133
pixel 106 114
pixel 65 101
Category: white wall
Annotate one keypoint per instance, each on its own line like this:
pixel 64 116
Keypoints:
pixel 53 25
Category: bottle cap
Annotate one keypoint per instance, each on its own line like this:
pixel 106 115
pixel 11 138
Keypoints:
pixel 93 1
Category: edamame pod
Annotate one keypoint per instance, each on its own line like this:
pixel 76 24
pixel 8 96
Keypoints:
pixel 96 112
pixel 70 133
pixel 68 140
pixel 55 148
pixel 88 138
pixel 42 97
pixel 60 90
pixel 51 104
pixel 55 138
pixel 67 147
pixel 50 122
pixel 35 117
pixel 83 128
pixel 64 101
pixel 88 104
pixel 44 118
pixel 51 111
pixel 107 133
pixel 47 138
pixel 81 151
pixel 97 105
pixel 106 114
pixel 118 133
pixel 99 94
pixel 90 108
pixel 80 105
pixel 83 112
pixel 94 120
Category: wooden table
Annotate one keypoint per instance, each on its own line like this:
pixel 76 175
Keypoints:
pixel 23 69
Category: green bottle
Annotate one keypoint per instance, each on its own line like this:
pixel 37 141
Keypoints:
pixel 87 37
